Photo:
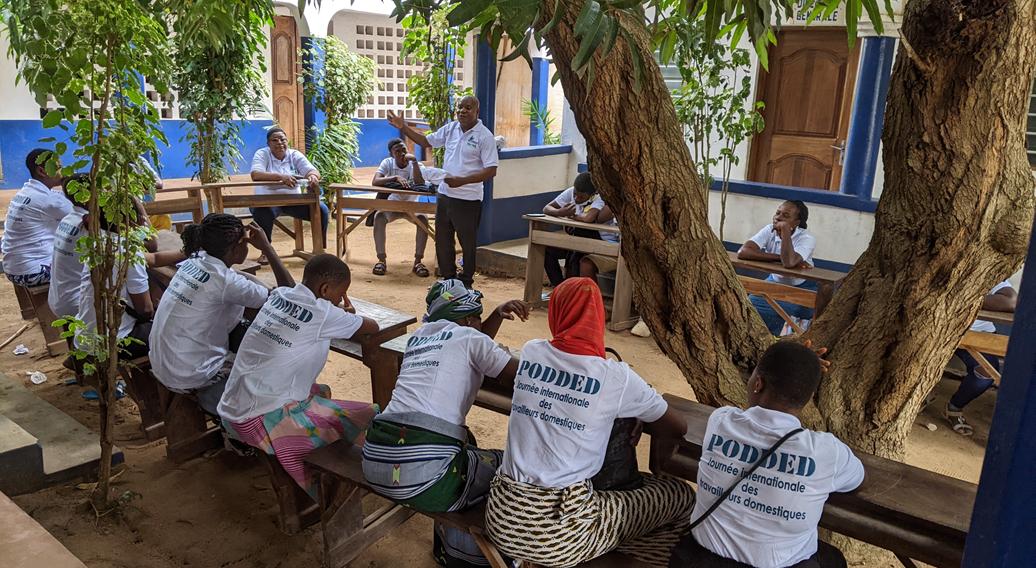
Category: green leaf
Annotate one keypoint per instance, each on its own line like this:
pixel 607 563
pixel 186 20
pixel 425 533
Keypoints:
pixel 638 65
pixel 559 12
pixel 52 119
pixel 593 38
pixel 60 148
pixel 609 40
pixel 874 13
pixel 587 17
pixel 761 51
pixel 852 17
pixel 466 11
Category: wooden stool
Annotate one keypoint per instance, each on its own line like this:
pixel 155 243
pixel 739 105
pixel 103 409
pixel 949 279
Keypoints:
pixel 143 389
pixel 189 430
pixel 40 310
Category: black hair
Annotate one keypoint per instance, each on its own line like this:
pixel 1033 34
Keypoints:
pixel 33 160
pixel 392 143
pixel 326 268
pixel 216 233
pixel 584 184
pixel 792 371
pixel 272 131
pixel 803 211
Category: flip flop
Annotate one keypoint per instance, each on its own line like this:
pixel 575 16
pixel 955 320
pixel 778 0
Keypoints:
pixel 957 421
pixel 421 270
pixel 262 260
pixel 380 269
pixel 120 392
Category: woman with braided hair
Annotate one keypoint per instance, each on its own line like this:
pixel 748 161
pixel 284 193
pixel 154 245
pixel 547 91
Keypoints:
pixel 191 338
pixel 419 452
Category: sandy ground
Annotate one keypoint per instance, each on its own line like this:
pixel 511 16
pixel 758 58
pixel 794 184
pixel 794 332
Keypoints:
pixel 217 510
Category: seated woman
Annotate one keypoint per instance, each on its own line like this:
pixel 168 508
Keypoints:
pixel 767 518
pixel 204 304
pixel 786 241
pixel 272 400
pixel 278 162
pixel 581 203
pixel 542 505
pixel 419 451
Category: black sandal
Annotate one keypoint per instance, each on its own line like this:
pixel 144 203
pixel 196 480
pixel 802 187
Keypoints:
pixel 421 270
pixel 380 269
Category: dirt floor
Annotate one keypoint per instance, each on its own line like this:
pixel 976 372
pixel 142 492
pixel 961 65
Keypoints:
pixel 216 510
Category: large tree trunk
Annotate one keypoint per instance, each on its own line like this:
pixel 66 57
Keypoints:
pixel 687 290
pixel 953 219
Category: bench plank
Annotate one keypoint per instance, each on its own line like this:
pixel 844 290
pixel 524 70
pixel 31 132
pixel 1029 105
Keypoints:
pixel 983 342
pixel 902 508
pixel 782 292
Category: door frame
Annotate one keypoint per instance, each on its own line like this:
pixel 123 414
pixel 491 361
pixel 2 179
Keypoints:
pixel 848 98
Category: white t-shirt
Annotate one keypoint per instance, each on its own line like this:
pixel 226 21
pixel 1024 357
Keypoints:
pixel 443 367
pixel 32 219
pixel 801 240
pixel 293 164
pixel 770 520
pixel 283 352
pixel 136 283
pixel 568 197
pixel 979 325
pixel 389 168
pixel 467 153
pixel 66 270
pixel 203 304
pixel 562 413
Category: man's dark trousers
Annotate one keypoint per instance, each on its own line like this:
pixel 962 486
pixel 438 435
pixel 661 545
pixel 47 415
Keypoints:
pixel 461 218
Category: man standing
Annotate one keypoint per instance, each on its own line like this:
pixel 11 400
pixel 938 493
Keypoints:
pixel 470 160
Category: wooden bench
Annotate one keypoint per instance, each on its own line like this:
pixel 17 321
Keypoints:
pixel 916 514
pixel 773 292
pixel 222 200
pixel 143 388
pixel 978 342
pixel 826 280
pixel 541 237
pixel 189 429
pixel 37 308
pixel 372 206
pixel 193 203
pixel 347 533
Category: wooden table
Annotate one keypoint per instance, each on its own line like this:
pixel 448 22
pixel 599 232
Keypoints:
pixel 1006 318
pixel 826 279
pixel 192 204
pixel 915 513
pixel 392 324
pixel 170 241
pixel 372 206
pixel 541 237
pixel 221 201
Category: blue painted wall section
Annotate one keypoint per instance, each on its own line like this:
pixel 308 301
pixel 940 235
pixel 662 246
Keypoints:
pixel 540 87
pixel 1005 507
pixel 485 91
pixel 868 114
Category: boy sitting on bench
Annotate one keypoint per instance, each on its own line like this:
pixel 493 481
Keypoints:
pixel 767 517
pixel 272 400
pixel 419 452
pixel 191 338
pixel 401 171
pixel 32 219
pixel 581 203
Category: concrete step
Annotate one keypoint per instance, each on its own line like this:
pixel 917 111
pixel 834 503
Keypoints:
pixel 69 450
pixel 25 544
pixel 21 457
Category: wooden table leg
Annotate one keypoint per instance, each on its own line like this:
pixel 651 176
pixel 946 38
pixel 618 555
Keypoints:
pixel 340 249
pixel 825 291
pixel 622 301
pixel 534 270
pixel 317 226
pixel 384 367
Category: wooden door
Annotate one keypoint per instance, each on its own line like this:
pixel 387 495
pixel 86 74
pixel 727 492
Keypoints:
pixel 808 95
pixel 287 90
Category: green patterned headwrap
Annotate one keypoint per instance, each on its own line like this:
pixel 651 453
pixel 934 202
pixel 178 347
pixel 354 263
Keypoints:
pixel 450 300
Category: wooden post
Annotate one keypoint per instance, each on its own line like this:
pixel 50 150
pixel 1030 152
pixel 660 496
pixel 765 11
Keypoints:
pixel 317 226
pixel 534 267
pixel 623 299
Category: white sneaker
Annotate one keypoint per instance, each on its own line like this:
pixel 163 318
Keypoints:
pixel 641 329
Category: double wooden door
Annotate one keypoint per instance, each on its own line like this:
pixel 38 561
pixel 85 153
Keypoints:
pixel 808 95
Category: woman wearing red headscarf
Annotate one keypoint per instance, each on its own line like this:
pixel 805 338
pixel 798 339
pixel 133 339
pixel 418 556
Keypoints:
pixel 542 505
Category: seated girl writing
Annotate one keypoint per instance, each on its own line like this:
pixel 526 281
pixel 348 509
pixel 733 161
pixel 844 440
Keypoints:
pixel 204 304
pixel 419 451
pixel 542 505
pixel 272 400
pixel 769 517
pixel 786 241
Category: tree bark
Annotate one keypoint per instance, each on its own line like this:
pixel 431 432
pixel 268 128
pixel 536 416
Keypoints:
pixel 953 220
pixel 687 291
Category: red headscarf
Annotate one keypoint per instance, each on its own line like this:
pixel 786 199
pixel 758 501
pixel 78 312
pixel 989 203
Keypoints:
pixel 576 317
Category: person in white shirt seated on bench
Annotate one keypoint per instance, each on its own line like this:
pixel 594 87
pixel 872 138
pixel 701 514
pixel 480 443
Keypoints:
pixel 32 220
pixel 581 203
pixel 543 507
pixel 419 452
pixel 198 325
pixel 786 241
pixel 763 479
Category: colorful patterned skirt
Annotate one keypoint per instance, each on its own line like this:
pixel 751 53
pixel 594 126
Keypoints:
pixel 295 430
pixel 568 526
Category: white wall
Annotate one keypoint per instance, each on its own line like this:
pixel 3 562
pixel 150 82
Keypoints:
pixel 530 176
pixel 17 102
